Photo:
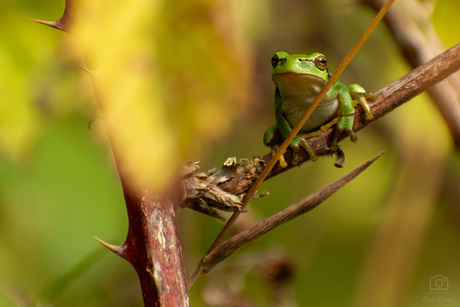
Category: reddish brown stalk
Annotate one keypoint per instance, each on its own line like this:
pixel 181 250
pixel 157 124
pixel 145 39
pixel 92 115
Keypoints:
pixel 152 245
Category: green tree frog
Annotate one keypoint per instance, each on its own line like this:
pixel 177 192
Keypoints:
pixel 298 79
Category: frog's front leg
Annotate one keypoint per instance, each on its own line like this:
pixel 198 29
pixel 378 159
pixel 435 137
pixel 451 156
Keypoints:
pixel 269 135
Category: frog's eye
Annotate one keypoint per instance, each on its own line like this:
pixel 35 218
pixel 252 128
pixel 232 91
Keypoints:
pixel 275 60
pixel 321 63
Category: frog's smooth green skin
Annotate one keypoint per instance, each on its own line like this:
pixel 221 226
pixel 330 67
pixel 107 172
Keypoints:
pixel 299 78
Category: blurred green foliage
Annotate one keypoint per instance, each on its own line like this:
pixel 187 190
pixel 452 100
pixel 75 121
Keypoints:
pixel 58 186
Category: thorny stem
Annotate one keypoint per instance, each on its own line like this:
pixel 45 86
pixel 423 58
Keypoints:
pixel 152 245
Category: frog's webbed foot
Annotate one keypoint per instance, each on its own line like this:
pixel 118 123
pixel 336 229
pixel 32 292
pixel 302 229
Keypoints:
pixel 296 144
pixel 302 142
pixel 281 159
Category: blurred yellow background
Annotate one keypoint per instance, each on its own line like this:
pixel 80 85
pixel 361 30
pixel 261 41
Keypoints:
pixel 191 81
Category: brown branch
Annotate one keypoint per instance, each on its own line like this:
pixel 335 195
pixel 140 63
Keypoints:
pixel 308 203
pixel 412 28
pixel 237 178
pixel 386 100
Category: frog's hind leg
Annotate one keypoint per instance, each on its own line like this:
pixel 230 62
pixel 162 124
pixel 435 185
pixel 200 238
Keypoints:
pixel 345 124
pixel 359 96
pixel 304 143
pixel 361 100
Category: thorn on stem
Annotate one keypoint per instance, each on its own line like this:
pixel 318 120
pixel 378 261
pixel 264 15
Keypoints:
pixel 119 250
pixel 58 24
pixel 63 22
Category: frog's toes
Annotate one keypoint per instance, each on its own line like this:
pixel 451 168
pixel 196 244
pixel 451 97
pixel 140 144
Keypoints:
pixel 352 135
pixel 296 148
pixel 349 131
pixel 295 154
pixel 362 100
pixel 281 159
pixel 307 147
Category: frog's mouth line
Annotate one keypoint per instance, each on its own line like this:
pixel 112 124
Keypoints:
pixel 290 74
pixel 290 81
